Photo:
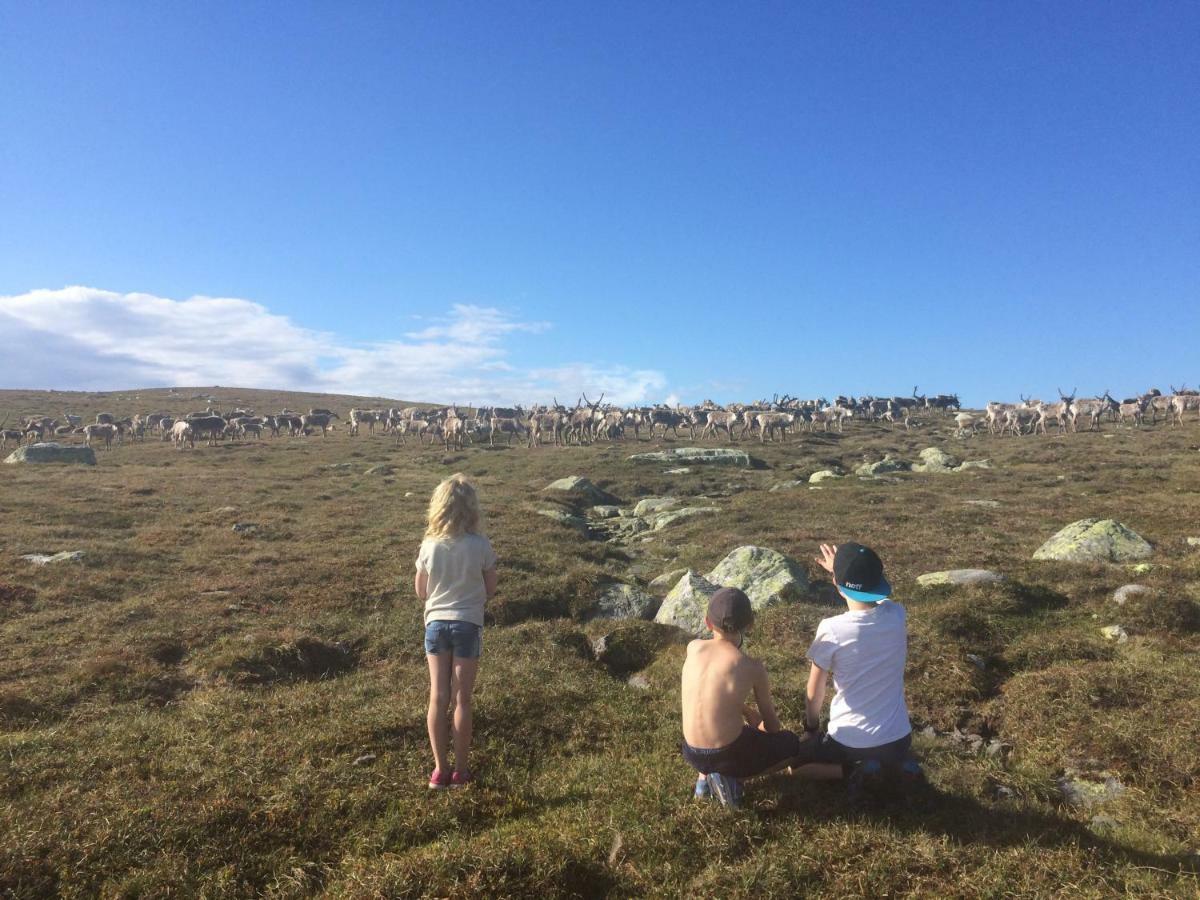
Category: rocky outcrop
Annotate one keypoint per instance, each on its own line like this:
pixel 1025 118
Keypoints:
pixel 582 489
pixel 823 475
pixel 1095 540
pixel 52 453
pixel 622 601
pixel 888 464
pixel 661 520
pixel 717 456
pixel 650 505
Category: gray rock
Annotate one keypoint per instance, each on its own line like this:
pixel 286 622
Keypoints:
pixel 565 518
pixel 1128 592
pixel 639 681
pixel 1115 633
pixel 1004 792
pixel 699 455
pixel 766 575
pixel 661 520
pixel 382 469
pixel 52 453
pixel 1084 793
pixel 935 460
pixel 622 601
pixel 1095 540
pixel 960 576
pixel 1192 541
pixel 605 511
pixel 225 510
pixel 990 504
pixel 580 487
pixel 888 464
pixel 245 527
pixel 996 749
pixel 623 527
pixel 650 505
pixel 977 661
pixel 683 470
pixel 666 581
pixel 974 464
pixel 339 467
pixel 42 559
pixel 686 605
pixel 365 760
pixel 787 486
pixel 823 475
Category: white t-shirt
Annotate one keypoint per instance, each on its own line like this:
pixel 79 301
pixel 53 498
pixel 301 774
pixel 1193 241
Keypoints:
pixel 866 652
pixel 455 566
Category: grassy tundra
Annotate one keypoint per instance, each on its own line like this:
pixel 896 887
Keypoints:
pixel 192 710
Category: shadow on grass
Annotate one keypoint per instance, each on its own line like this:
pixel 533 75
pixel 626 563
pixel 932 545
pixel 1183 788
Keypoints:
pixel 962 820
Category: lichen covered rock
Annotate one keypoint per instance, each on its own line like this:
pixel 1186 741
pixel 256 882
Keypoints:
pixel 622 601
pixel 1095 540
pixel 766 575
pixel 960 576
pixel 718 456
pixel 934 459
pixel 52 453
pixel 580 487
pixel 888 464
pixel 686 605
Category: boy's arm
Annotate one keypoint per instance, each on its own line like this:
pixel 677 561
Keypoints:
pixel 490 577
pixel 421 585
pixel 817 678
pixel 762 696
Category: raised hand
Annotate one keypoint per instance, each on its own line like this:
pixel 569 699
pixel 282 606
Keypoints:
pixel 825 560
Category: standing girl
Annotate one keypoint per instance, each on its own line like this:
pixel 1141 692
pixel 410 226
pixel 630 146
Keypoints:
pixel 456 574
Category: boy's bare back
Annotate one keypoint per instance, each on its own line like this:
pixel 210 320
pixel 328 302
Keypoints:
pixel 717 679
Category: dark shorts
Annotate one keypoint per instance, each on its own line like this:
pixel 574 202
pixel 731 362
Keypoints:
pixel 463 639
pixel 752 753
pixel 827 750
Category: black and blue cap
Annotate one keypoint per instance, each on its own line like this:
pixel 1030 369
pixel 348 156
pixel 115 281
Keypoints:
pixel 858 573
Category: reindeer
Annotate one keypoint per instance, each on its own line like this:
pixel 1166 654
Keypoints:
pixel 718 419
pixel 1182 400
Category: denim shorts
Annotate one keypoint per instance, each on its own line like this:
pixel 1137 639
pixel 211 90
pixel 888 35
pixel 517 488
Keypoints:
pixel 463 639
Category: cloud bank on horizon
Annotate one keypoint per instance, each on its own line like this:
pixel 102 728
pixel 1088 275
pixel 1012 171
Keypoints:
pixel 83 338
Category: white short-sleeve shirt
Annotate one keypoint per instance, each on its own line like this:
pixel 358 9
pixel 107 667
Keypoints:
pixel 866 652
pixel 456 566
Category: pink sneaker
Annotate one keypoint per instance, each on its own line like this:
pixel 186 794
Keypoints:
pixel 461 779
pixel 438 780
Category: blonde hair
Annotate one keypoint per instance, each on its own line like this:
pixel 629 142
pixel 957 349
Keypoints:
pixel 453 509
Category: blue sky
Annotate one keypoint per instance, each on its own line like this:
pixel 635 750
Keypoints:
pixel 446 201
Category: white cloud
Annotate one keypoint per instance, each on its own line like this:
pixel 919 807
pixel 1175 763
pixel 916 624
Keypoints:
pixel 88 339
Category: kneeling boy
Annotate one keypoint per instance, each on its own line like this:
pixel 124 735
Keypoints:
pixel 724 739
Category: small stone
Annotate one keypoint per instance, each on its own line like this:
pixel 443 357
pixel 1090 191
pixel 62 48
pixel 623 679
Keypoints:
pixel 990 504
pixel 1192 541
pixel 929 732
pixel 683 470
pixel 960 576
pixel 339 467
pixel 1084 793
pixel 408 493
pixel 383 469
pixel 605 512
pixel 639 681
pixel 995 749
pixel 823 475
pixel 245 527
pixel 1103 824
pixel 786 486
pixel 365 760
pixel 1003 792
pixel 974 464
pixel 977 661
pixel 1128 592
pixel 1115 633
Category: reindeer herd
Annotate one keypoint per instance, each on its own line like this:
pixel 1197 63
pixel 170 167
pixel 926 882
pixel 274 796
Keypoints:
pixel 588 422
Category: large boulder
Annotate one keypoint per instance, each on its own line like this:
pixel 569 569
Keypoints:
pixel 1095 540
pixel 934 459
pixel 960 576
pixel 888 464
pixel 52 453
pixel 718 456
pixel 766 575
pixel 579 487
pixel 622 601
pixel 686 605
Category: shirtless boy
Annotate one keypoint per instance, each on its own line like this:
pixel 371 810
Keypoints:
pixel 724 739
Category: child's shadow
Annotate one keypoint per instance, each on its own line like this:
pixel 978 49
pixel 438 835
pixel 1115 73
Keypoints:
pixel 961 819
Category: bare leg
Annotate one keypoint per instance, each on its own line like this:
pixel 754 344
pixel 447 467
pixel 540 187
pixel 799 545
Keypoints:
pixel 464 676
pixel 437 720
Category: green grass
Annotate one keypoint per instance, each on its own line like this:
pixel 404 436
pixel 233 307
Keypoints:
pixel 181 713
